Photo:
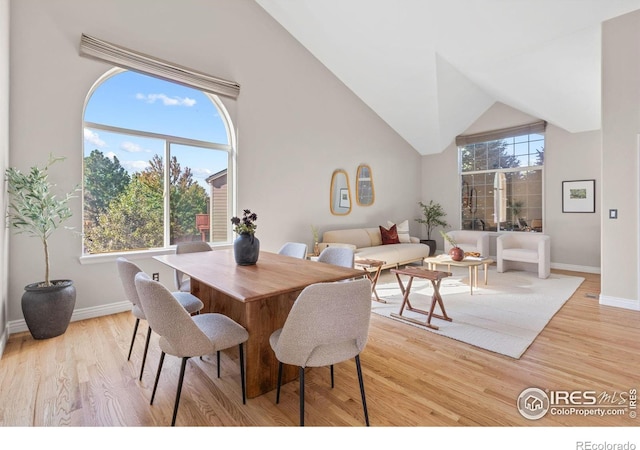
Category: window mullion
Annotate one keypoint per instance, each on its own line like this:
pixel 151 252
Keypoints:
pixel 166 194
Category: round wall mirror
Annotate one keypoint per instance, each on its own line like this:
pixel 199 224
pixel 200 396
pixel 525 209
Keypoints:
pixel 340 193
pixel 365 194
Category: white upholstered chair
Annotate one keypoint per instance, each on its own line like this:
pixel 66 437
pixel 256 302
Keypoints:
pixel 295 249
pixel 186 336
pixel 328 324
pixel 339 256
pixel 184 284
pixel 128 271
pixel 525 251
pixel 469 241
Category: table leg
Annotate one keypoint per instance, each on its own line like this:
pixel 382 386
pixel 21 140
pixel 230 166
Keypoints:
pixel 435 298
pixel 471 280
pixel 374 281
pixel 486 276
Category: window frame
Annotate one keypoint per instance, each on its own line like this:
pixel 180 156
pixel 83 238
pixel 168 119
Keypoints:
pixel 463 141
pixel 230 149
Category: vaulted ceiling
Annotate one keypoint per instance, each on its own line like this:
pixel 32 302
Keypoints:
pixel 430 68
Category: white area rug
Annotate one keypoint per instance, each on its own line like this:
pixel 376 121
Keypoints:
pixel 504 316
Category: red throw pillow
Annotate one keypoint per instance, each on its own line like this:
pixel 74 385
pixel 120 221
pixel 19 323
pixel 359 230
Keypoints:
pixel 389 236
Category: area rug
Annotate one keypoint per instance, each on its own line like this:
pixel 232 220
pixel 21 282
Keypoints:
pixel 504 316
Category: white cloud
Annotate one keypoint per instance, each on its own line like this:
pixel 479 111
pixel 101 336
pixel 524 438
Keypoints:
pixel 166 100
pixel 93 138
pixel 134 166
pixel 201 173
pixel 130 147
pixel 110 155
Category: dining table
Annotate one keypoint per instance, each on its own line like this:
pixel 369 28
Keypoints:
pixel 258 297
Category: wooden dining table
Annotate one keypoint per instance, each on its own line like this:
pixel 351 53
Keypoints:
pixel 258 297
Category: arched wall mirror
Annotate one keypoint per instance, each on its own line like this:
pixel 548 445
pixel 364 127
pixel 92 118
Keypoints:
pixel 365 194
pixel 340 193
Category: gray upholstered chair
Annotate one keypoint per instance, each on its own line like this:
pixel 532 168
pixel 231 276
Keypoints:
pixel 186 336
pixel 328 324
pixel 295 249
pixel 184 284
pixel 339 256
pixel 128 271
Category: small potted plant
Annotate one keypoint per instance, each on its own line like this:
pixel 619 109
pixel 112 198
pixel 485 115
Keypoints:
pixel 433 214
pixel 246 246
pixel 36 211
pixel 456 253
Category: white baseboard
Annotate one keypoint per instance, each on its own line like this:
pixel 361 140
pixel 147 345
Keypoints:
pixel 3 340
pixel 17 326
pixel 575 268
pixel 620 302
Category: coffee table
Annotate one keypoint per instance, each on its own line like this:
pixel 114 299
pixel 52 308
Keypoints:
pixel 434 261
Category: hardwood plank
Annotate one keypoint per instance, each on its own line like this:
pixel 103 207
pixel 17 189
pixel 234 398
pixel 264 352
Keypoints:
pixel 412 377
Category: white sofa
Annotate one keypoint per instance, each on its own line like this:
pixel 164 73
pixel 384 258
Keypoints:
pixel 469 241
pixel 367 244
pixel 525 251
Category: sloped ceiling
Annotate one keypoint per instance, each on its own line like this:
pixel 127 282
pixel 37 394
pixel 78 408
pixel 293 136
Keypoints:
pixel 430 68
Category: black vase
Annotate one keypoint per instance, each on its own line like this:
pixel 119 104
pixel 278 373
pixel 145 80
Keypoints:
pixel 47 310
pixel 246 249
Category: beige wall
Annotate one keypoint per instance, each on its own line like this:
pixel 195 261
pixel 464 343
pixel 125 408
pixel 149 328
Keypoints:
pixel 4 156
pixel 296 124
pixel 575 238
pixel 620 128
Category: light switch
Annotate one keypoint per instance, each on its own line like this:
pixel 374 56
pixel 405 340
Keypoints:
pixel 613 214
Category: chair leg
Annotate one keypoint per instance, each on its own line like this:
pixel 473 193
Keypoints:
pixel 361 381
pixel 133 338
pixel 179 391
pixel 279 382
pixel 332 384
pixel 155 385
pixel 218 362
pixel 242 376
pixel 146 348
pixel 301 396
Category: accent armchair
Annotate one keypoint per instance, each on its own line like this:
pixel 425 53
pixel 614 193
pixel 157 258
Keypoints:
pixel 469 241
pixel 524 251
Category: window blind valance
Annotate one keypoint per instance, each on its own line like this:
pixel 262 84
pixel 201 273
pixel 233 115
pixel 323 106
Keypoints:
pixel 485 136
pixel 95 48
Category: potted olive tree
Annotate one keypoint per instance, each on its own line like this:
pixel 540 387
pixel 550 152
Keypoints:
pixel 35 210
pixel 432 217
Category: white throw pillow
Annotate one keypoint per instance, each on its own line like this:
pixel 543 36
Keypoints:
pixel 403 230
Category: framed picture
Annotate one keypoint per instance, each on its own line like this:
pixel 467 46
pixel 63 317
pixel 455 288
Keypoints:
pixel 344 198
pixel 579 196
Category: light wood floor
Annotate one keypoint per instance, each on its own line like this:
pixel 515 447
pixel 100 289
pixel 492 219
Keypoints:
pixel 412 377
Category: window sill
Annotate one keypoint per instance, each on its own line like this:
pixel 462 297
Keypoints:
pixel 140 254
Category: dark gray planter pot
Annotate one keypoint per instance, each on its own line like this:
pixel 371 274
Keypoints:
pixel 47 310
pixel 432 245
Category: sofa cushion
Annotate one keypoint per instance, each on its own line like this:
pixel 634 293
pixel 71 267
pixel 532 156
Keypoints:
pixel 374 235
pixel 389 236
pixel 355 236
pixel 403 230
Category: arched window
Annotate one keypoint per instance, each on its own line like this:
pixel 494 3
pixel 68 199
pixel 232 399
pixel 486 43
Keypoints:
pixel 158 165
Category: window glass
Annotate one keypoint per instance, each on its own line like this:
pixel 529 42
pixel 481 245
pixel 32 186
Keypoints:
pixel 156 160
pixel 502 184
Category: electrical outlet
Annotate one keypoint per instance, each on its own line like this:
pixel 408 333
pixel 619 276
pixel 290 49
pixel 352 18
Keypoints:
pixel 156 276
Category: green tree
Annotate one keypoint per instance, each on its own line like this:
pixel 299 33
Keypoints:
pixel 487 156
pixel 134 220
pixel 104 180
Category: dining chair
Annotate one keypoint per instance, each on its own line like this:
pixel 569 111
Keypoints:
pixel 128 271
pixel 328 324
pixel 184 284
pixel 339 256
pixel 295 249
pixel 186 336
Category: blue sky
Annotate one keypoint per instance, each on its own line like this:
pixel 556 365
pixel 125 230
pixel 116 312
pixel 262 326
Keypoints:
pixel 139 102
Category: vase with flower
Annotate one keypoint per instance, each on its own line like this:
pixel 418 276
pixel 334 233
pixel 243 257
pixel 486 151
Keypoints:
pixel 456 253
pixel 246 246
